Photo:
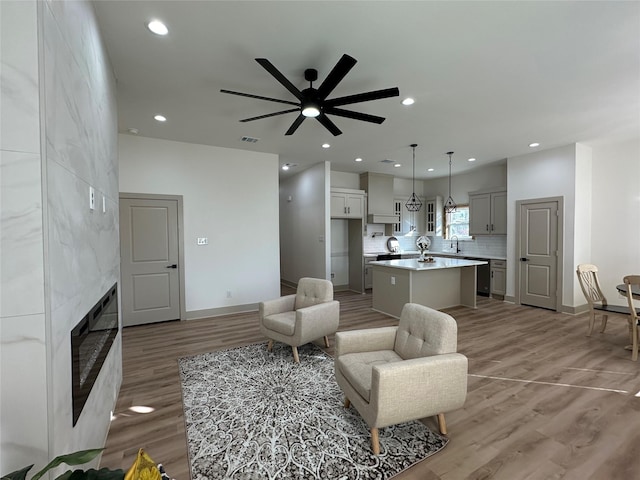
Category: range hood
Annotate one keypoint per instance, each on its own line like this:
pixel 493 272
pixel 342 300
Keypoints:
pixel 379 188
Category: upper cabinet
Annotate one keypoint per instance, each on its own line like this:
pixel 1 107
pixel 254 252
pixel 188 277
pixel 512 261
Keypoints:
pixel 408 220
pixel 434 209
pixel 347 203
pixel 488 213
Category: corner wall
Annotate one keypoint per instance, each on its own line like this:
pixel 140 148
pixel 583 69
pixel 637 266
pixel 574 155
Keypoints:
pixel 305 228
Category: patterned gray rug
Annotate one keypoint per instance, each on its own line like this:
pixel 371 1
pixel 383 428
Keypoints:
pixel 251 414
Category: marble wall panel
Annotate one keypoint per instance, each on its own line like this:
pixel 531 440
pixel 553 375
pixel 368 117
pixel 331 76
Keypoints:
pixel 21 230
pixel 83 244
pixel 23 396
pixel 19 95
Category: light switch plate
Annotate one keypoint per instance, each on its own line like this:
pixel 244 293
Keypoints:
pixel 203 241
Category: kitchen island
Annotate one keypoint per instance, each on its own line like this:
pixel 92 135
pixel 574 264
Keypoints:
pixel 445 282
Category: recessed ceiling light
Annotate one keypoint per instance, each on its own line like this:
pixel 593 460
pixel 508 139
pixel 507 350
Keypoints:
pixel 472 159
pixel 534 144
pixel 358 159
pixel 430 169
pixel 157 27
pixel 285 167
pixel 408 101
pixel 160 118
pixel 397 165
pixel 325 145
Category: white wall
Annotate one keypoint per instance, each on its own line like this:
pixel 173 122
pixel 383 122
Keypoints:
pixel 230 196
pixel 305 229
pixel 57 86
pixel 462 184
pixel 615 229
pixel 541 174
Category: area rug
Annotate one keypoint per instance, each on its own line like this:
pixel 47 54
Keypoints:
pixel 254 414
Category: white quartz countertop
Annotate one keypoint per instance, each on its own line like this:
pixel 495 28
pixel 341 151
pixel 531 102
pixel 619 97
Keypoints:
pixel 439 263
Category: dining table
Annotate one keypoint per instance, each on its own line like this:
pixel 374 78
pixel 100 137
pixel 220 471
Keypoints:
pixel 635 290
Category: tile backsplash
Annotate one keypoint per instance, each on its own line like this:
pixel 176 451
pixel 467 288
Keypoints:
pixel 493 245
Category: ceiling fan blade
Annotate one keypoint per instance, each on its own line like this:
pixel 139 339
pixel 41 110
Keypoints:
pixel 336 75
pixel 268 66
pixel 328 124
pixel 296 123
pixel 355 115
pixel 270 115
pixel 363 97
pixel 250 95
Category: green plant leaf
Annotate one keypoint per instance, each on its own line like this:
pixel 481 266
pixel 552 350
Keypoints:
pixel 76 458
pixel 18 474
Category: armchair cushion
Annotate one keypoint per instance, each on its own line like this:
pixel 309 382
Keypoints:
pixel 357 368
pixel 284 323
pixel 424 332
pixel 312 291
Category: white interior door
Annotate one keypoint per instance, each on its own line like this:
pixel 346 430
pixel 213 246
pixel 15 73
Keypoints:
pixel 538 253
pixel 149 260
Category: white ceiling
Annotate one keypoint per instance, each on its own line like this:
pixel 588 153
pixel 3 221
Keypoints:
pixel 488 77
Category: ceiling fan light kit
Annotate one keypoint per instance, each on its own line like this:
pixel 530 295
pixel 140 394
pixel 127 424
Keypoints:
pixel 313 102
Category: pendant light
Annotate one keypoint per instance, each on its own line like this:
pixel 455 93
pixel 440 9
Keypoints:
pixel 450 206
pixel 414 203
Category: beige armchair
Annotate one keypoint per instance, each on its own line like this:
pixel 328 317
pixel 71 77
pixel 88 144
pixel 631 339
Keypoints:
pixel 397 374
pixel 300 318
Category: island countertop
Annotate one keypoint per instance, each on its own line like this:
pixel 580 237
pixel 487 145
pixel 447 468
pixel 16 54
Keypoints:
pixel 438 263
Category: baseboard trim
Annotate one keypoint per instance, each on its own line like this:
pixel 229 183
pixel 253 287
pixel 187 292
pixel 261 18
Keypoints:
pixel 575 310
pixel 216 312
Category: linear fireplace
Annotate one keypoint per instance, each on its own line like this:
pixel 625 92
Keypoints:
pixel 91 340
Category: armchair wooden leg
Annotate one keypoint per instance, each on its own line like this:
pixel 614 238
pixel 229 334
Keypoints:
pixel 270 346
pixel 375 442
pixel 442 424
pixel 296 358
pixel 347 402
pixel 326 341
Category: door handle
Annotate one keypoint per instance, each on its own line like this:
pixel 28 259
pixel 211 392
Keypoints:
pixel 524 259
pixel 175 265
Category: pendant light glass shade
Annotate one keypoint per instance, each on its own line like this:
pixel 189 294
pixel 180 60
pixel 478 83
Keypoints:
pixel 414 204
pixel 450 205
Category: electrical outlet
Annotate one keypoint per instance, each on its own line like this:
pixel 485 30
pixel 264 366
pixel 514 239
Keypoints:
pixel 393 280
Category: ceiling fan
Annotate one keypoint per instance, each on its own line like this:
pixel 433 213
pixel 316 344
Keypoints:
pixel 313 102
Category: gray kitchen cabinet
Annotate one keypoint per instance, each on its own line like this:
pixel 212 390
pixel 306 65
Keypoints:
pixel 346 203
pixel 498 278
pixel 368 272
pixel 488 213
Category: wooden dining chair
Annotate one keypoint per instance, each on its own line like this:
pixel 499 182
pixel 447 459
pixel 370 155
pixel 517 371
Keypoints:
pixel 631 281
pixel 588 278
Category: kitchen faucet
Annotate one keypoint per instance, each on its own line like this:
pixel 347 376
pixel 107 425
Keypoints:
pixel 457 248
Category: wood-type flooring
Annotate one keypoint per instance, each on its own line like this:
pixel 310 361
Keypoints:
pixel 544 400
